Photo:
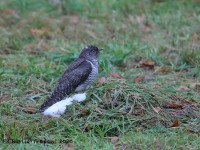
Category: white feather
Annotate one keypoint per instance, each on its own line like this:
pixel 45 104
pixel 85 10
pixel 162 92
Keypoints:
pixel 79 97
pixel 57 109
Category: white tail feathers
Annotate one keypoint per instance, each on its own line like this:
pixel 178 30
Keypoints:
pixel 57 109
pixel 79 97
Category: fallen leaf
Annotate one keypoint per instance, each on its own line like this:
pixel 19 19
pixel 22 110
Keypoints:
pixel 182 88
pixel 87 112
pixel 162 69
pixel 116 75
pixel 29 110
pixel 175 123
pixel 139 79
pixel 146 77
pixel 172 105
pixel 102 80
pixel 37 31
pixel 157 109
pixel 9 11
pixel 147 63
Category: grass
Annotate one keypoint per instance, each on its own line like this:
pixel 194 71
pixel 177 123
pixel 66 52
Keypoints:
pixel 38 40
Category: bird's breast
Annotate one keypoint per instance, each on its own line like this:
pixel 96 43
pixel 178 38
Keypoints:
pixel 87 83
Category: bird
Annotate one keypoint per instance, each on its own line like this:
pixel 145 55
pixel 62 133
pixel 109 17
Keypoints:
pixel 77 78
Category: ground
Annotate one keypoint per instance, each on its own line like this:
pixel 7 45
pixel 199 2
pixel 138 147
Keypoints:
pixel 146 96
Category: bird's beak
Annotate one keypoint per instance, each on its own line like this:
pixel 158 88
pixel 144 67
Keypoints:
pixel 100 49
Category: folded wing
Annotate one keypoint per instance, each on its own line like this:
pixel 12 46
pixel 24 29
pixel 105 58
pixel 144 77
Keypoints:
pixel 76 74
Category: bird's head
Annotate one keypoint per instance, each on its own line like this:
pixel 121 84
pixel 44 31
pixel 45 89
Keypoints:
pixel 90 52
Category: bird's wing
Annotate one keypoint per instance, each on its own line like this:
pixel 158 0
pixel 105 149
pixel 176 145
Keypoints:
pixel 68 83
pixel 70 68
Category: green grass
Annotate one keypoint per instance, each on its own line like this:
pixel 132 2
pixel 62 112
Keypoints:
pixel 166 32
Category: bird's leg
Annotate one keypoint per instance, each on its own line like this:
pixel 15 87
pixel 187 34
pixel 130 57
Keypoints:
pixel 79 97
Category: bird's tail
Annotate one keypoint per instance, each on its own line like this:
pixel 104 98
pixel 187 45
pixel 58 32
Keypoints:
pixel 59 93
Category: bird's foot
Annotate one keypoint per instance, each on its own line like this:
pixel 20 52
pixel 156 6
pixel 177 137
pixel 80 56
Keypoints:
pixel 79 97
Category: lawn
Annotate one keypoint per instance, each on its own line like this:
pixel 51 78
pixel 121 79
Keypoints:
pixel 147 93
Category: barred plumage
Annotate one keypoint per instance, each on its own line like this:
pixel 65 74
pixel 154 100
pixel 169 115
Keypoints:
pixel 78 77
